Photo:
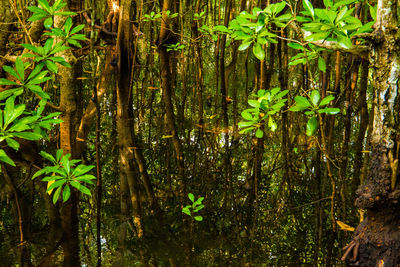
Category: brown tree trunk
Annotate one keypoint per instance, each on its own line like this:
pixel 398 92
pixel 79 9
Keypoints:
pixel 376 241
pixel 125 119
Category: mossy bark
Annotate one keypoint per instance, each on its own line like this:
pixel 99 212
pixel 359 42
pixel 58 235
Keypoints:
pixel 376 241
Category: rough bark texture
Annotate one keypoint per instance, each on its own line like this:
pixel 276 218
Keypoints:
pixel 376 241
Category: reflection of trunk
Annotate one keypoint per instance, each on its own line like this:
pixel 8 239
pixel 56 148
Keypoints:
pixel 376 241
pixel 128 178
pixel 22 212
pixel 164 38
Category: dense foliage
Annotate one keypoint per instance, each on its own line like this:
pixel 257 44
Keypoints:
pixel 230 132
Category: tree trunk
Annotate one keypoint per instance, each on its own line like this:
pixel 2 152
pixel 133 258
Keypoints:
pixel 376 241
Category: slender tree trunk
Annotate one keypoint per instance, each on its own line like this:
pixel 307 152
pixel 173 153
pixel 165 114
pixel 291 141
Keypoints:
pixel 125 119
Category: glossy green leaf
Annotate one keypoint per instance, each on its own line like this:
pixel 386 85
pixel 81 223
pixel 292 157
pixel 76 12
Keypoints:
pixel 254 103
pixel 12 143
pixel 5 158
pixel 341 14
pixel 308 6
pixel 48 22
pixel 28 136
pixel 315 97
pixel 56 195
pixel 258 51
pixel 344 42
pixel 330 111
pixel 302 101
pixel 245 45
pixel 66 193
pixel 58 183
pixel 326 100
pixel 247 115
pixel 296 46
pixel 312 126
pixel 19 66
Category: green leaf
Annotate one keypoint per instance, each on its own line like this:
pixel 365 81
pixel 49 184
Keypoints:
pixel 343 3
pixel 296 46
pixel 68 25
pixel 12 143
pixel 12 72
pixel 48 22
pixel 272 124
pixel 330 111
pixel 326 100
pixel 51 66
pixel 308 6
pixel 82 169
pixel 48 45
pixel 221 28
pixel 191 197
pixel 247 116
pixel 5 158
pixel 4 81
pixel 317 36
pixel 8 111
pixel 312 126
pixel 328 3
pixel 198 218
pixel 246 123
pixel 373 11
pixel 254 103
pixel 198 201
pixel 259 133
pixel 344 42
pixel 66 193
pixel 59 154
pixel 258 51
pixel 37 90
pixel 245 45
pixel 186 210
pixel 38 173
pixel 28 136
pixel 18 110
pixel 45 5
pixel 302 101
pixel 315 97
pixel 56 184
pixel 81 188
pixel 341 14
pixel 321 64
pixel 47 156
pixel 56 195
pixel 19 65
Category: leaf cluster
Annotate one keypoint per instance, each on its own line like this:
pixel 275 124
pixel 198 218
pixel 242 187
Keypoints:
pixel 312 107
pixel 196 206
pixel 267 104
pixel 63 174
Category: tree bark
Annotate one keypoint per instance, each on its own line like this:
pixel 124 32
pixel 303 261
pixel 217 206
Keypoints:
pixel 376 241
